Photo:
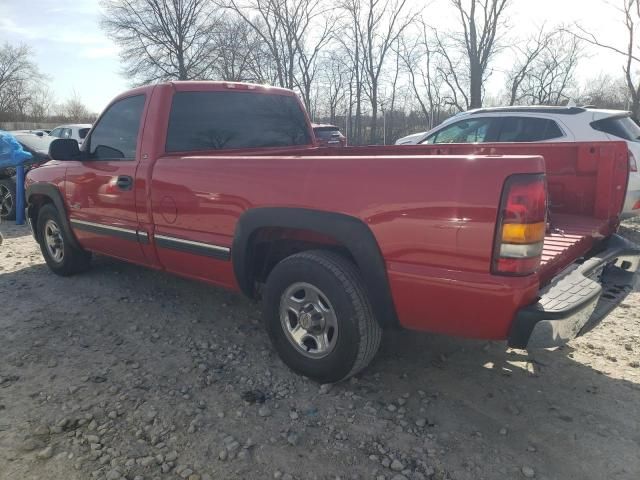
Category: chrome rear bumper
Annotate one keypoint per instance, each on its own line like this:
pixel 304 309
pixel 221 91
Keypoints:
pixel 578 299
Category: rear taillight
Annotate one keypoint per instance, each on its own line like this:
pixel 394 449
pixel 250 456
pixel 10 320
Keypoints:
pixel 633 166
pixel 521 225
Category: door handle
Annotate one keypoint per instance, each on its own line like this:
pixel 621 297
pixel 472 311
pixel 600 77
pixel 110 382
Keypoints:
pixel 124 182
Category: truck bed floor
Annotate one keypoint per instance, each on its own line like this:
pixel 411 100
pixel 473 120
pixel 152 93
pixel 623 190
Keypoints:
pixel 571 237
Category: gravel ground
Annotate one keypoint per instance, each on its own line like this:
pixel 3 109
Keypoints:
pixel 123 372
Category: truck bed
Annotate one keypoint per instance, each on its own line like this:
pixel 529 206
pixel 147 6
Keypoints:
pixel 586 183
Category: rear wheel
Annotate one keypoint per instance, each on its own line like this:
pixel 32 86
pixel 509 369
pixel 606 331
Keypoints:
pixel 61 256
pixel 318 316
pixel 7 199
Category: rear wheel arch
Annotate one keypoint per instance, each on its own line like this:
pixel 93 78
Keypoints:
pixel 351 237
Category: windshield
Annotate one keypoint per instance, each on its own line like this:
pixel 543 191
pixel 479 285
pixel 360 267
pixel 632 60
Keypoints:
pixel 621 127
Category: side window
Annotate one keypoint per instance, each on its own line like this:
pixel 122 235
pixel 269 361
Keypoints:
pixel 621 127
pixel 528 129
pixel 66 133
pixel 115 137
pixel 55 132
pixel 464 131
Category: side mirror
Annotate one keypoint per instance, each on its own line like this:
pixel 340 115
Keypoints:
pixel 64 149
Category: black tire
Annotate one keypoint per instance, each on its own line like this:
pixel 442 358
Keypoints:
pixel 8 199
pixel 73 260
pixel 358 332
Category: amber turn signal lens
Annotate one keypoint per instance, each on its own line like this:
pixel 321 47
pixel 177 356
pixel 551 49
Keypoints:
pixel 523 232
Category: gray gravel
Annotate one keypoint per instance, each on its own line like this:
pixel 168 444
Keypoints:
pixel 124 372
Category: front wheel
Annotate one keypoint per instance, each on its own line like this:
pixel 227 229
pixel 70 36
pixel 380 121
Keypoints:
pixel 7 199
pixel 318 316
pixel 61 256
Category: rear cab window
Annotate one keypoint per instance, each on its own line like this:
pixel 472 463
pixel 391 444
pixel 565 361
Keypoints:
pixel 223 120
pixel 82 133
pixel 619 126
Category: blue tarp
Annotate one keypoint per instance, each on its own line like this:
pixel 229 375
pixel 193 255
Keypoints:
pixel 13 155
pixel 11 152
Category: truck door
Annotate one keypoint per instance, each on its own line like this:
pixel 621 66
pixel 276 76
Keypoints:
pixel 100 190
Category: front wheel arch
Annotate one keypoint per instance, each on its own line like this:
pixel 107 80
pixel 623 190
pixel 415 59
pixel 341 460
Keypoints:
pixel 41 194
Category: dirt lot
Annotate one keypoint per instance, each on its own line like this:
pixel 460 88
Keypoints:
pixel 128 373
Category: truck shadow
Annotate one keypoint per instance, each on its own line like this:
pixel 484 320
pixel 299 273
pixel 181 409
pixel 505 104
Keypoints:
pixel 570 406
pixel 553 410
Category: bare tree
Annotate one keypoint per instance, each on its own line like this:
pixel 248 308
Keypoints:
pixel 294 31
pixel 630 13
pixel 162 39
pixel 336 74
pixel 19 77
pixel 383 22
pixel 604 91
pixel 237 51
pixel 74 110
pixel 308 55
pixel 481 22
pixel 545 71
pixel 387 100
pixel 525 57
pixel 266 19
pixel 350 41
pixel 419 54
pixel 552 75
pixel 40 103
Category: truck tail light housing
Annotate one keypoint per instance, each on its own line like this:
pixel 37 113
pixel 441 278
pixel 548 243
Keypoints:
pixel 633 166
pixel 521 226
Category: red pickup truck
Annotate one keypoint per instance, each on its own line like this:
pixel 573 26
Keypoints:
pixel 222 182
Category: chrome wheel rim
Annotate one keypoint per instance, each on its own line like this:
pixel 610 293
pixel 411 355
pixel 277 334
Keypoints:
pixel 308 320
pixel 53 241
pixel 6 201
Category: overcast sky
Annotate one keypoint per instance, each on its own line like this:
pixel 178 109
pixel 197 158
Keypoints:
pixel 71 49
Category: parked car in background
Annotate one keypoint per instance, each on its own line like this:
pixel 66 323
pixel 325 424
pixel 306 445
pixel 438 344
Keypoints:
pixel 38 147
pixel 78 131
pixel 328 135
pixel 412 139
pixel 39 132
pixel 543 124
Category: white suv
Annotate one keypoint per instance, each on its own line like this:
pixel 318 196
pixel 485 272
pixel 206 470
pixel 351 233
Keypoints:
pixel 542 124
pixel 77 131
